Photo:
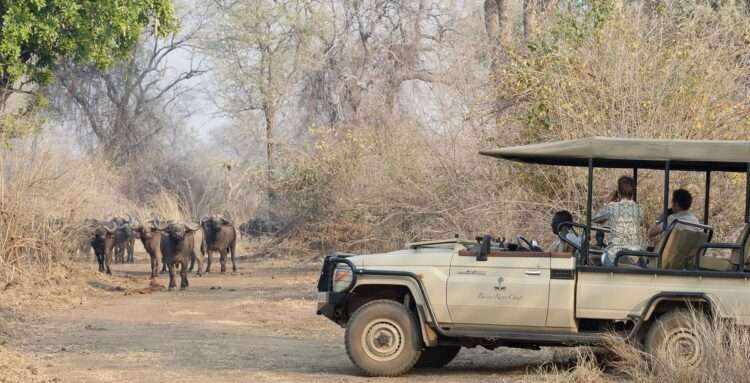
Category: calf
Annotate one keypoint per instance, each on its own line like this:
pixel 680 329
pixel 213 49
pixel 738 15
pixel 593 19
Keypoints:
pixel 102 241
pixel 219 235
pixel 151 239
pixel 178 248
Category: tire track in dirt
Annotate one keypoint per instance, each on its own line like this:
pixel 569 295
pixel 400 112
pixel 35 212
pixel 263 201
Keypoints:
pixel 258 325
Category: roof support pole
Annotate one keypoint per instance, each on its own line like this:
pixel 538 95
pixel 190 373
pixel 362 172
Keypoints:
pixel 707 204
pixel 747 194
pixel 666 202
pixel 589 203
pixel 635 184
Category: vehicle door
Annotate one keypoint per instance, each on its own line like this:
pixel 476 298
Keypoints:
pixel 510 288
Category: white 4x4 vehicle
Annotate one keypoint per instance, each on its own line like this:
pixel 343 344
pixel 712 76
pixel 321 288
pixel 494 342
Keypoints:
pixel 420 305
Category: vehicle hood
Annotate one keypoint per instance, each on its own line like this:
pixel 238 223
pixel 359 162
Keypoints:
pixel 438 255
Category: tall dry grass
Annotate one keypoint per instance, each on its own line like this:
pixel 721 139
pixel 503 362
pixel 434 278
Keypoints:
pixel 45 194
pixel 726 348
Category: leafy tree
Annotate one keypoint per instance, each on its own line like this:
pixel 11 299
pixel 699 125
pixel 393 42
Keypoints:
pixel 35 34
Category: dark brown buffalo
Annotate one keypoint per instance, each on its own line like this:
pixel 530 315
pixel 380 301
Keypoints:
pixel 178 248
pixel 219 235
pixel 150 236
pixel 102 241
pixel 124 239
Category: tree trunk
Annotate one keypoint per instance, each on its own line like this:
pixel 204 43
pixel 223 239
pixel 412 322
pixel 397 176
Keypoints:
pixel 529 18
pixel 499 29
pixel 269 111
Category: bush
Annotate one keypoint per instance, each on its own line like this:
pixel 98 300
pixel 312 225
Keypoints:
pixel 45 195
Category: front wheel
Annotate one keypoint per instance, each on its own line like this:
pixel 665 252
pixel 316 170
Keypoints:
pixel 382 338
pixel 674 336
pixel 436 357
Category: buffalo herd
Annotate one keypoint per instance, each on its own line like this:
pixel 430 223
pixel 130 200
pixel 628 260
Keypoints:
pixel 169 243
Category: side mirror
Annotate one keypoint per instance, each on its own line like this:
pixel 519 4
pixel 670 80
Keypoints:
pixel 484 248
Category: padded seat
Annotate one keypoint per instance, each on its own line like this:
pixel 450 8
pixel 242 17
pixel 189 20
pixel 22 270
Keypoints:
pixel 740 247
pixel 682 249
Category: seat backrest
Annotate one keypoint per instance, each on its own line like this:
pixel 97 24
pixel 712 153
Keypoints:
pixel 681 248
pixel 743 241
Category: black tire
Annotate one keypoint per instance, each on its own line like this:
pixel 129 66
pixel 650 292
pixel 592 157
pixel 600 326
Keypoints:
pixel 382 338
pixel 436 357
pixel 674 334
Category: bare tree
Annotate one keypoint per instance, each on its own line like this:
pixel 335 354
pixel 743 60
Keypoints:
pixel 126 107
pixel 260 50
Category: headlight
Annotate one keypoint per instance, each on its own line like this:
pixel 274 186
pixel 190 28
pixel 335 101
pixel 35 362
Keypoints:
pixel 342 277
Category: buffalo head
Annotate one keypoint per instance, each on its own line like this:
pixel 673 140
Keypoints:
pixel 177 230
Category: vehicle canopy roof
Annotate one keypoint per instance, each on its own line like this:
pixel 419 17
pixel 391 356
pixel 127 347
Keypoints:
pixel 645 153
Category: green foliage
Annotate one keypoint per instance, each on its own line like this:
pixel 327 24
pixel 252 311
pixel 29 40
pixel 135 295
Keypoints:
pixel 35 34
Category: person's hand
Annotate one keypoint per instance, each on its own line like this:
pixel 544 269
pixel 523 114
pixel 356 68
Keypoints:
pixel 613 197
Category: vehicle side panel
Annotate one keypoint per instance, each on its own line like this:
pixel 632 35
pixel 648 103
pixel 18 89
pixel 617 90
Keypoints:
pixel 561 312
pixel 431 266
pixel 612 295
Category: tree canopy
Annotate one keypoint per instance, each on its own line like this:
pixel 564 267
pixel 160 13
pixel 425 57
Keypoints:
pixel 35 34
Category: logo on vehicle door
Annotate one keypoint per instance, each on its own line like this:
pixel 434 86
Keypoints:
pixel 499 286
pixel 499 292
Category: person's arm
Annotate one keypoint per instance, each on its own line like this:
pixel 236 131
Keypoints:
pixel 655 230
pixel 602 215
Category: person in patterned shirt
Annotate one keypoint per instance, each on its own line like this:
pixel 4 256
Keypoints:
pixel 624 217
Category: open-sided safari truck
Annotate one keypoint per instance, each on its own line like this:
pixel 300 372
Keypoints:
pixel 420 305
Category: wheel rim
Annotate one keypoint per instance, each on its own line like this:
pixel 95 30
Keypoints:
pixel 684 346
pixel 383 340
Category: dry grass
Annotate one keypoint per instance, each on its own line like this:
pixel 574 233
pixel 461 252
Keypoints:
pixel 15 368
pixel 726 348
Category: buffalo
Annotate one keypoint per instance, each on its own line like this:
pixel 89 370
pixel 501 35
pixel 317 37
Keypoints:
pixel 102 241
pixel 178 248
pixel 255 227
pixel 219 235
pixel 151 236
pixel 124 239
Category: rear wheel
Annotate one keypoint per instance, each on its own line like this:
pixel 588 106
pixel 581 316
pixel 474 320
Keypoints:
pixel 674 336
pixel 382 338
pixel 436 357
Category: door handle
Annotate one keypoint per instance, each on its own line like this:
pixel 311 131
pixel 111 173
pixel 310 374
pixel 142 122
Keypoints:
pixel 471 272
pixel 533 272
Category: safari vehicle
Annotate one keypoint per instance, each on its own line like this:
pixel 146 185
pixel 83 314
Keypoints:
pixel 418 306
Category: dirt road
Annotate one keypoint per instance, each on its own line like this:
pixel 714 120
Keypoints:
pixel 257 325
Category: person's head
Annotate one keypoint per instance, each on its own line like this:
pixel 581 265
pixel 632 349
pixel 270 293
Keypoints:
pixel 560 217
pixel 625 187
pixel 681 200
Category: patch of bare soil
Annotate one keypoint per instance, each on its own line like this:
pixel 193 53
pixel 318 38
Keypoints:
pixel 256 325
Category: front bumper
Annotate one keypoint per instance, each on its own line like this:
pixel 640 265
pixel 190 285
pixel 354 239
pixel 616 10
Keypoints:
pixel 330 303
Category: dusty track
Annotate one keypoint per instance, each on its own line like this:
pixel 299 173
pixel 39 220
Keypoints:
pixel 260 326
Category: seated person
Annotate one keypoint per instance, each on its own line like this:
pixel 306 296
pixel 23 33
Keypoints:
pixel 624 217
pixel 558 245
pixel 681 202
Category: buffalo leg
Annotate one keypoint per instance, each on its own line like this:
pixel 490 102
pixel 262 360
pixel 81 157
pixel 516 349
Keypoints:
pixel 154 266
pixel 196 259
pixel 183 276
pixel 163 264
pixel 208 261
pixel 100 261
pixel 131 258
pixel 223 260
pixel 231 251
pixel 107 261
pixel 172 283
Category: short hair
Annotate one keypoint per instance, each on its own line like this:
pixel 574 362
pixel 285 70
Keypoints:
pixel 626 187
pixel 560 217
pixel 682 198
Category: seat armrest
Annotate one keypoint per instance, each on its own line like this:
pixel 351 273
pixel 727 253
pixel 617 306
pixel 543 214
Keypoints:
pixel 634 253
pixel 719 245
